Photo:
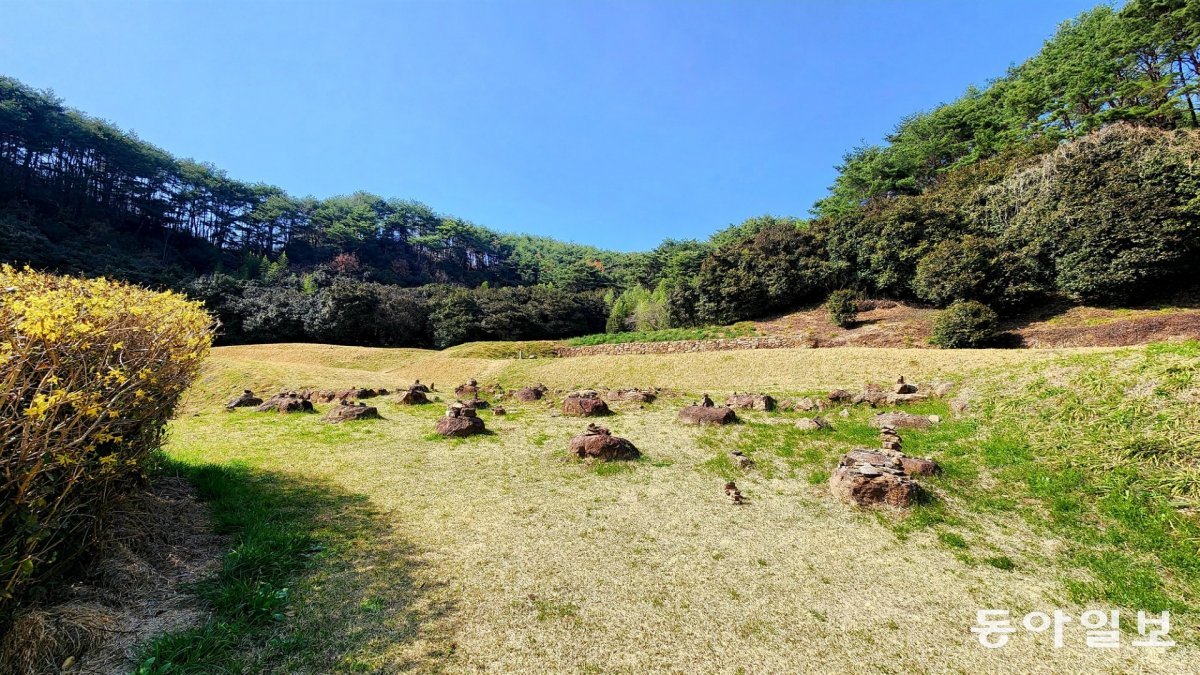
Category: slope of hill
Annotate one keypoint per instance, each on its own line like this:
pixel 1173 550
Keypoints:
pixel 896 324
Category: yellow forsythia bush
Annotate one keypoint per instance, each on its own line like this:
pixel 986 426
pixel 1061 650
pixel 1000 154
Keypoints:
pixel 90 371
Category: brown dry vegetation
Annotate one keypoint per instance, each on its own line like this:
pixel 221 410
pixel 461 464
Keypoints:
pixel 159 540
pixel 894 324
pixel 499 553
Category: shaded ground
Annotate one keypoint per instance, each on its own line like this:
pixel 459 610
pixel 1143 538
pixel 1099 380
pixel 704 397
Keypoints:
pixel 135 588
pixel 498 553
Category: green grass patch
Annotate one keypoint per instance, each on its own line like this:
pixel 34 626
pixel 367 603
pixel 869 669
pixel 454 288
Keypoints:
pixel 1001 562
pixel 542 349
pixel 279 529
pixel 742 329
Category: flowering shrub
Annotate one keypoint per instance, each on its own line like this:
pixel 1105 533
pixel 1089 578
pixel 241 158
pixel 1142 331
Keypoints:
pixel 90 371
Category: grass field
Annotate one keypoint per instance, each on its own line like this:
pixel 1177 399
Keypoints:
pixel 1072 484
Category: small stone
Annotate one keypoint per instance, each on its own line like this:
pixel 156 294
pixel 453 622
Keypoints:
pixel 812 423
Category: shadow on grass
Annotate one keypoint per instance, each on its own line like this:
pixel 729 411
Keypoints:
pixel 317 580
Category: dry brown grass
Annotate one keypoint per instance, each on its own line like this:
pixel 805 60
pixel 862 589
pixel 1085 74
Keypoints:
pixel 554 566
pixel 895 324
pixel 159 540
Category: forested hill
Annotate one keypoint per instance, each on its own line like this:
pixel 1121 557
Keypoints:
pixel 89 188
pixel 1074 175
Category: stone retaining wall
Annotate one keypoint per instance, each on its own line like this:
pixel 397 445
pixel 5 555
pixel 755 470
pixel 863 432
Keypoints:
pixel 689 346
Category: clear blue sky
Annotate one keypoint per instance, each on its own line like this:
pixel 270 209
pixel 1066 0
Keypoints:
pixel 613 123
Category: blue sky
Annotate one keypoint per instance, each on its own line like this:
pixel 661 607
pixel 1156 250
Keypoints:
pixel 613 123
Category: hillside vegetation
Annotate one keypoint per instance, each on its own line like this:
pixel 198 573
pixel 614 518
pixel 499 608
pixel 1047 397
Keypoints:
pixel 1072 176
pixel 1069 484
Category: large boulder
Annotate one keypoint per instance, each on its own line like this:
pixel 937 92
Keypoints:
pixel 459 421
pixel 345 412
pixel 869 478
pixel 412 397
pixel 751 401
pixel 246 399
pixel 702 414
pixel 584 404
pixel 901 420
pixel 417 386
pixel 599 443
pixel 289 402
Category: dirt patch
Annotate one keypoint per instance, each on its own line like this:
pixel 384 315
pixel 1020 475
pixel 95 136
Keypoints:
pixel 1091 327
pixel 880 323
pixel 884 323
pixel 161 539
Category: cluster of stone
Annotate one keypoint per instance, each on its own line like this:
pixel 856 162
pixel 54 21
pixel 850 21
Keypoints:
pixel 531 394
pixel 706 412
pixel 806 404
pixel 586 403
pixel 346 411
pixel 459 421
pixel 733 494
pixel 246 399
pixel 633 395
pixel 868 478
pixel 903 420
pixel 872 394
pixel 415 395
pixel 599 443
pixel 475 403
pixel 468 390
pixel 286 402
pixel 751 402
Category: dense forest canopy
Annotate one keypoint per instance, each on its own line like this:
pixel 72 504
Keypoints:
pixel 1073 175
